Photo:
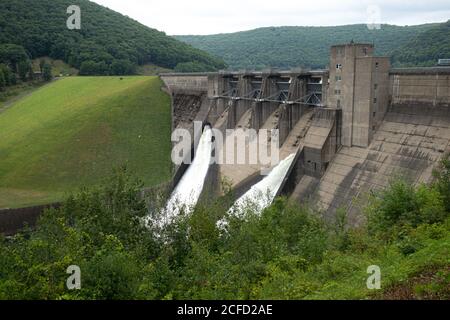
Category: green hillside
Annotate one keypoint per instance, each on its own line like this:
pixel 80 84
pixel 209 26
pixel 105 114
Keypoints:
pixel 107 42
pixel 71 133
pixel 426 48
pixel 286 47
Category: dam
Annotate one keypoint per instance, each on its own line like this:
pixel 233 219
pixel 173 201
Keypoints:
pixel 351 127
pixel 345 131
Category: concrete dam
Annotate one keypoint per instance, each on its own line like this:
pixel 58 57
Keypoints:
pixel 351 127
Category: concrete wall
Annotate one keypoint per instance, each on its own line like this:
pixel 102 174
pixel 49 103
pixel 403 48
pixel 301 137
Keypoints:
pixel 185 108
pixel 321 141
pixel 371 95
pixel 409 144
pixel 289 115
pixel 342 83
pixel 358 85
pixel 425 86
pixel 13 220
pixel 186 82
pixel 218 107
pixel 380 90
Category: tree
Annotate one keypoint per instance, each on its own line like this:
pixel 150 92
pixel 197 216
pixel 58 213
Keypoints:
pixel 122 67
pixel 194 66
pixel 12 54
pixel 41 65
pixel 93 68
pixel 442 183
pixel 2 79
pixel 24 69
pixel 47 72
pixel 87 68
pixel 12 79
pixel 7 75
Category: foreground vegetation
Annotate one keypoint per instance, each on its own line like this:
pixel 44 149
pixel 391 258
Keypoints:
pixel 72 132
pixel 286 253
pixel 287 47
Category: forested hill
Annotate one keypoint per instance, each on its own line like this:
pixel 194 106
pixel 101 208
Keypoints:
pixel 426 48
pixel 106 37
pixel 286 47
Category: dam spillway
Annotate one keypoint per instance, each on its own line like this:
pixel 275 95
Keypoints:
pixel 353 126
pixel 262 194
pixel 188 190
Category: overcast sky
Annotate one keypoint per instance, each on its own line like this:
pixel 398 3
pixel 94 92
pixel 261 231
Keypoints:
pixel 176 17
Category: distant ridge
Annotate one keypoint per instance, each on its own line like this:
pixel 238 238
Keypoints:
pixel 286 47
pixel 426 48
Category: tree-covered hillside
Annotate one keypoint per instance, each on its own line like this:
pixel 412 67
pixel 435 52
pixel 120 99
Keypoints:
pixel 286 47
pixel 107 43
pixel 426 48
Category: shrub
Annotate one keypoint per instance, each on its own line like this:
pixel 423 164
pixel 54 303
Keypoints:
pixel 403 204
pixel 442 183
pixel 47 72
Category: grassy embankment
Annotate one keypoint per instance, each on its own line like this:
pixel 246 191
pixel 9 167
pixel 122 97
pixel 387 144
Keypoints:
pixel 71 133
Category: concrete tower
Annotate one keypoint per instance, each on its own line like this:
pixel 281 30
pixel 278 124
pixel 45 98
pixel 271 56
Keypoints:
pixel 359 86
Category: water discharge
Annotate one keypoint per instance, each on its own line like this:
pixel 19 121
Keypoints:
pixel 187 192
pixel 262 194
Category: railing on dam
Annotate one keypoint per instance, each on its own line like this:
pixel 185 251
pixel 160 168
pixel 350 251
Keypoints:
pixel 270 85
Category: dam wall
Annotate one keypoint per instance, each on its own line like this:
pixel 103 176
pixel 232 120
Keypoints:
pixel 354 126
pixel 420 86
pixel 409 144
pixel 186 82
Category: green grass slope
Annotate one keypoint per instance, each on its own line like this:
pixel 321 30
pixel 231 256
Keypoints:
pixel 286 47
pixel 72 132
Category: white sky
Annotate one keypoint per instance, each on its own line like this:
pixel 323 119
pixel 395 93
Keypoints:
pixel 181 17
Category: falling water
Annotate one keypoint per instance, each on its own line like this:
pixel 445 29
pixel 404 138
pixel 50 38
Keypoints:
pixel 262 194
pixel 188 190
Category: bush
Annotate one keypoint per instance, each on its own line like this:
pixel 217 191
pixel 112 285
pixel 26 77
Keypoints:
pixel 47 72
pixel 442 183
pixel 6 72
pixel 122 67
pixel 403 204
pixel 2 79
pixel 91 68
pixel 25 71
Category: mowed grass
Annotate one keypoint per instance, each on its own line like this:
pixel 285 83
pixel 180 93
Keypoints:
pixel 73 132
